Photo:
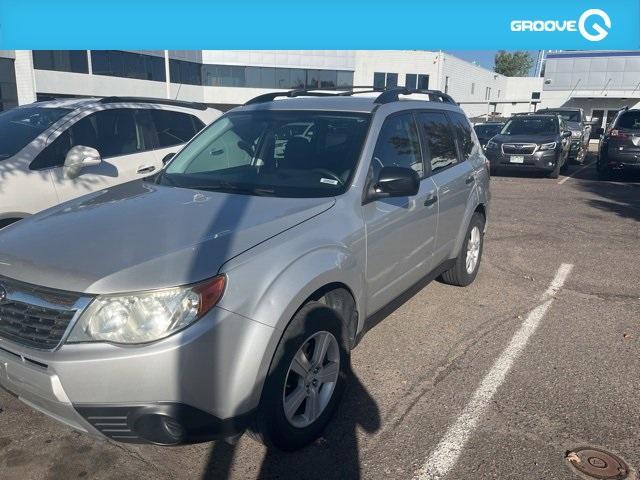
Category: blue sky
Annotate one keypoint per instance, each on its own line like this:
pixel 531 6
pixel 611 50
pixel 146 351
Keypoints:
pixel 485 57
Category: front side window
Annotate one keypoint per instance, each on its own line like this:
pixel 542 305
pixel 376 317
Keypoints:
pixel 441 145
pixel 272 153
pixel 175 128
pixel 398 145
pixel 22 125
pixel 112 132
pixel 531 126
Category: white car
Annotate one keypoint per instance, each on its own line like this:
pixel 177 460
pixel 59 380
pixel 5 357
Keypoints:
pixel 54 151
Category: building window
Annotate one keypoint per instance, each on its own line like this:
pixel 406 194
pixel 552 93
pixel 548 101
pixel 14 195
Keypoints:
pixel 8 90
pixel 115 63
pixel 446 84
pixel 411 80
pixel 61 60
pixel 473 88
pixel 392 80
pixel 487 93
pixel 189 73
pixel 423 82
pixel 535 95
pixel 379 80
pixel 498 93
pixel 345 79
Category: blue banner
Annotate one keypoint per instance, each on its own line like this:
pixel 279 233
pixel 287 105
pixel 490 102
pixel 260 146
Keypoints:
pixel 331 24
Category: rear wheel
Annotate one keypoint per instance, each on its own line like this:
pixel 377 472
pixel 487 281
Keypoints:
pixel 465 269
pixel 306 379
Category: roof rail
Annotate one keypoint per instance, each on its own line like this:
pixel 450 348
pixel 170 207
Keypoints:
pixel 313 92
pixel 161 101
pixel 393 95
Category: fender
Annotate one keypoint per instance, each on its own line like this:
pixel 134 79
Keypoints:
pixel 475 199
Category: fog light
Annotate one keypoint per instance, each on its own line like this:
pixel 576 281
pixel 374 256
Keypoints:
pixel 160 429
pixel 550 164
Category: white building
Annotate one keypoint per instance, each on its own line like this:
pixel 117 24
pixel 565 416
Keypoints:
pixel 231 77
pixel 600 82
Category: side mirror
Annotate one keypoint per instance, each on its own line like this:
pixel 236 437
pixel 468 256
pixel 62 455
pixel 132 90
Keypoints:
pixel 80 157
pixel 566 134
pixel 396 182
pixel 168 157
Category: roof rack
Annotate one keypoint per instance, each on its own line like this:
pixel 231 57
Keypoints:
pixel 393 95
pixel 161 101
pixel 313 92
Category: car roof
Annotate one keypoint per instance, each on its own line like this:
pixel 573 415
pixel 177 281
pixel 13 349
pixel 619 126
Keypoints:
pixel 75 103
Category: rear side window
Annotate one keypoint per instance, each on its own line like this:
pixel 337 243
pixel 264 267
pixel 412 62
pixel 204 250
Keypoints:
pixel 464 135
pixel 630 120
pixel 175 128
pixel 113 132
pixel 440 142
pixel 398 145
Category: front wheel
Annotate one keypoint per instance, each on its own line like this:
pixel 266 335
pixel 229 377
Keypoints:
pixel 306 379
pixel 465 269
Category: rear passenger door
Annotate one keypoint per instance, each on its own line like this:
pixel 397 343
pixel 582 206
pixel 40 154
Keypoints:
pixel 451 173
pixel 174 129
pixel 400 230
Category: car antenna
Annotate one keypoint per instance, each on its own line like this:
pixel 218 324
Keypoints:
pixel 178 92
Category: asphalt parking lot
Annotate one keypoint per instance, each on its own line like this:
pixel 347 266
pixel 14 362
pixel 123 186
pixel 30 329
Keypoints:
pixel 479 382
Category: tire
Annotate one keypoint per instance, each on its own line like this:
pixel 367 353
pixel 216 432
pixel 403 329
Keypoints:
pixel 458 274
pixel 493 171
pixel 604 173
pixel 309 326
pixel 565 166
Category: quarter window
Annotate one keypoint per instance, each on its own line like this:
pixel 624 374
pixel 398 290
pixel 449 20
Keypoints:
pixel 439 138
pixel 398 145
pixel 463 134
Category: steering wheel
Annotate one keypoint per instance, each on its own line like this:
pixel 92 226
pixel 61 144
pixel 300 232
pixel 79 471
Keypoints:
pixel 331 174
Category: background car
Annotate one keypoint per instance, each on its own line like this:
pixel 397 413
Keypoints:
pixel 532 142
pixel 620 145
pixel 486 131
pixel 54 151
pixel 580 129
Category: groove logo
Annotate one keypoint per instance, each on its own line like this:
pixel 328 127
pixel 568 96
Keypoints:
pixel 594 25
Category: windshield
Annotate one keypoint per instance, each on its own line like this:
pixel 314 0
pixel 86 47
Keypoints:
pixel 275 153
pixel 566 116
pixel 531 126
pixel 487 130
pixel 21 125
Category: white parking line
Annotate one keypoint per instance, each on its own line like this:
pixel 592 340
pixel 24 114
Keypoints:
pixel 446 453
pixel 578 170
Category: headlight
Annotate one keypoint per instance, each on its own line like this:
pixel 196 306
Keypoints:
pixel 146 316
pixel 491 144
pixel 548 146
pixel 576 134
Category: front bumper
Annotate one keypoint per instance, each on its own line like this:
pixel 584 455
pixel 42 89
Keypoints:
pixel 541 160
pixel 206 380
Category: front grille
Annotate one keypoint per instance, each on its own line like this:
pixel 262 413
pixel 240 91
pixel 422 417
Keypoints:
pixel 33 316
pixel 518 148
pixel 112 422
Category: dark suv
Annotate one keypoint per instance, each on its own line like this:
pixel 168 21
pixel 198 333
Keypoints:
pixel 531 142
pixel 620 145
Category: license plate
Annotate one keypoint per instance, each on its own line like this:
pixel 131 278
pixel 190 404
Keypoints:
pixel 516 159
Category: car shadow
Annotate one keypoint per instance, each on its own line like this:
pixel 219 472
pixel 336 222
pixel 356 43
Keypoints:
pixel 335 455
pixel 619 195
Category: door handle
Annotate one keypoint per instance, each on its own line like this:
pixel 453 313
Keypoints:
pixel 470 180
pixel 146 169
pixel 430 200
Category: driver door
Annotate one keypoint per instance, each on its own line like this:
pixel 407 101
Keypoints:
pixel 124 139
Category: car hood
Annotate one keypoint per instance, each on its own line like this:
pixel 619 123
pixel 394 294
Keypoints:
pixel 142 236
pixel 525 138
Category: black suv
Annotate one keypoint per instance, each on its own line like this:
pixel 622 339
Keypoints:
pixel 620 145
pixel 486 131
pixel 531 142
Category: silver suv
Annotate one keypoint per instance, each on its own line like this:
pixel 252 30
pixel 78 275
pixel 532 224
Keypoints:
pixel 224 293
